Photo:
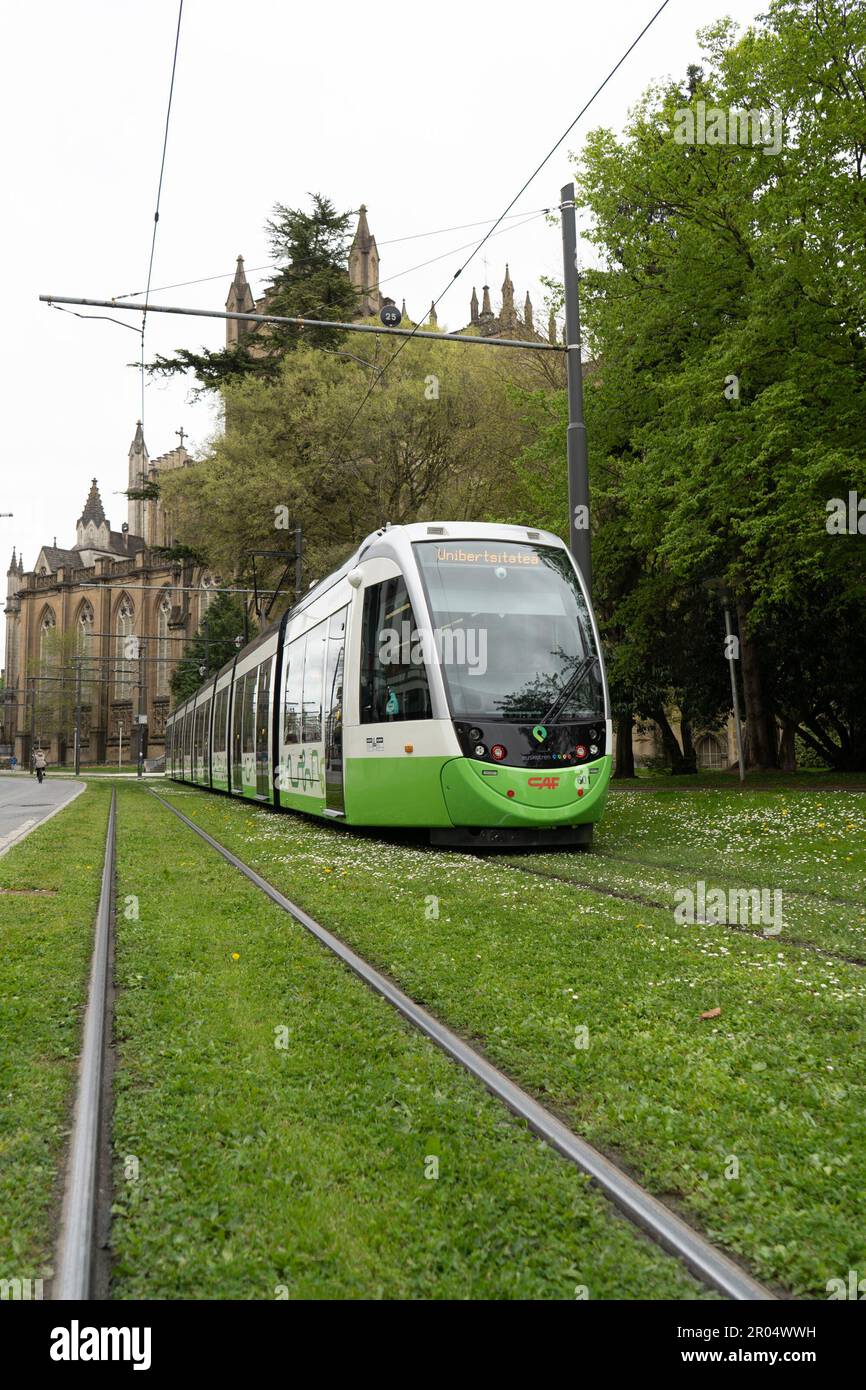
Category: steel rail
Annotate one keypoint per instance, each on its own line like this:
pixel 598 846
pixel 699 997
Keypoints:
pixel 707 1263
pixel 75 1248
pixel 795 943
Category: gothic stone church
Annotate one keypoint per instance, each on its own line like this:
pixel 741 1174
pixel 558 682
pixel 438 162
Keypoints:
pixel 113 585
pixel 91 598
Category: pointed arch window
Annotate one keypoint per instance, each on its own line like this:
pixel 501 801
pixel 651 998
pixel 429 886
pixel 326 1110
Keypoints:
pixel 126 650
pixel 163 646
pixel 47 629
pixel 209 585
pixel 85 625
pixel 84 648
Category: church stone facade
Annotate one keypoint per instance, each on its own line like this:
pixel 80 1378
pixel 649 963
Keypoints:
pixel 112 597
pixel 112 600
pixel 364 273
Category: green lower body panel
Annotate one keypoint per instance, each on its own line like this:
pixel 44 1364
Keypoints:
pixel 396 791
pixel 478 795
pixel 446 792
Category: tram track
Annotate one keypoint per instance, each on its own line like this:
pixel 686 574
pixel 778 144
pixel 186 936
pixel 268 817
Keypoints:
pixel 80 1269
pixel 657 903
pixel 690 869
pixel 709 1264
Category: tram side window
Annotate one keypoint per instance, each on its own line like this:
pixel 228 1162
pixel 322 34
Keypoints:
pixel 200 726
pixel 263 711
pixel 219 721
pixel 203 751
pixel 248 727
pixel 169 754
pixel 314 676
pixel 237 712
pixel 293 690
pixel 393 686
pixel 187 743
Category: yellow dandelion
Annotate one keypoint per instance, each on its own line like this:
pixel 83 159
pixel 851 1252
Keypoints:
pixel 235 955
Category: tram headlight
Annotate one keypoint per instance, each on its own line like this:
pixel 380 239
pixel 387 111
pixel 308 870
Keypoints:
pixel 498 751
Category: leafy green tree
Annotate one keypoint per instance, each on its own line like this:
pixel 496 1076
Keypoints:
pixel 311 253
pixel 437 436
pixel 726 318
pixel 213 645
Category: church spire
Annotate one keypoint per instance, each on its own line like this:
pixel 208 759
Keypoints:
pixel 364 266
pixel 139 463
pixel 473 307
pixel 138 445
pixel 239 301
pixel 527 313
pixel 432 319
pixel 93 508
pixel 508 316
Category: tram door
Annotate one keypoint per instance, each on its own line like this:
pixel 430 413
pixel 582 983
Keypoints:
pixel 334 661
pixel 263 719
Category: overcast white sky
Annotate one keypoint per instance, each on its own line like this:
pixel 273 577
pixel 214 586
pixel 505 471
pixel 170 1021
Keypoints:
pixel 433 115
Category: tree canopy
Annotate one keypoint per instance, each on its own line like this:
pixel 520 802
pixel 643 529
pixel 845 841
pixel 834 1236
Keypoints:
pixel 212 646
pixel 310 250
pixel 727 323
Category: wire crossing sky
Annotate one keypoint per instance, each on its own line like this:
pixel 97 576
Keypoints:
pixel 252 122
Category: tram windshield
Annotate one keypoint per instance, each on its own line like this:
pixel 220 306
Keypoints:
pixel 513 631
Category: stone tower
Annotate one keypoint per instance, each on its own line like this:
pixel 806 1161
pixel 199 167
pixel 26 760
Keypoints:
pixel 364 267
pixel 508 317
pixel 14 580
pixel 93 530
pixel 240 301
pixel 139 463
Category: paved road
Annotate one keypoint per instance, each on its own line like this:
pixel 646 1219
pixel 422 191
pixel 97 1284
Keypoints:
pixel 23 804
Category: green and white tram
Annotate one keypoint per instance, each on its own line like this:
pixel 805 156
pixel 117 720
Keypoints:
pixel 448 677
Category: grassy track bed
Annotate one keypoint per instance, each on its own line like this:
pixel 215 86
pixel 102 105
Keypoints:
pixel 813 851
pixel 806 842
pixel 274 1120
pixel 49 891
pixel 752 1120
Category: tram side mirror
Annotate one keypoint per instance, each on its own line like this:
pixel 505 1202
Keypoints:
pixel 355 577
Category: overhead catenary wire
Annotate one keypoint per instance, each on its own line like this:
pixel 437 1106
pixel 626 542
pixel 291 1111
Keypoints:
pixel 536 171
pixel 392 241
pixel 159 194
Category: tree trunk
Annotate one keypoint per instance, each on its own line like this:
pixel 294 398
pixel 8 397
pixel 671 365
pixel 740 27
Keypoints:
pixel 760 726
pixel 787 747
pixel 624 754
pixel 690 757
pixel 669 741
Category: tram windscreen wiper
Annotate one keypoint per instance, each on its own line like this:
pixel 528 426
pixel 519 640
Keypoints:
pixel 570 685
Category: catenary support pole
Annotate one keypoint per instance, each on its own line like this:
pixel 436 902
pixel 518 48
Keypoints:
pixel 577 454
pixel 738 724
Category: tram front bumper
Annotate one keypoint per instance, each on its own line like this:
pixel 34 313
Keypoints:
pixel 478 795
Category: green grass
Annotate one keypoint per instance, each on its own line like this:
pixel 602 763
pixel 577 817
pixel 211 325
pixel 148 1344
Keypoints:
pixel 47 939
pixel 776 1082
pixel 804 779
pixel 247 1170
pixel 812 849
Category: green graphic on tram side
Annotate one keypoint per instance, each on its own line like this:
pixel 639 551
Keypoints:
pixel 303 775
pixel 392 704
pixel 539 733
